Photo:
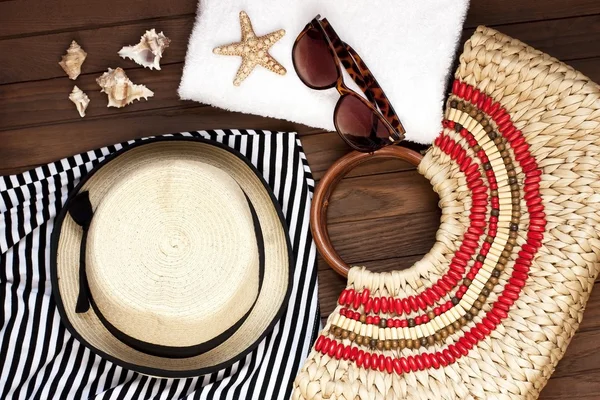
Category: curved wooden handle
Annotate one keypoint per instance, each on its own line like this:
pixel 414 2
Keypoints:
pixel 318 211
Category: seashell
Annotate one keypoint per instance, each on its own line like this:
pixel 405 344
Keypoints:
pixel 148 51
pixel 120 90
pixel 72 61
pixel 80 99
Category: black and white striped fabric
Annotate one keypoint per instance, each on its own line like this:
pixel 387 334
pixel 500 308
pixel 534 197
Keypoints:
pixel 39 359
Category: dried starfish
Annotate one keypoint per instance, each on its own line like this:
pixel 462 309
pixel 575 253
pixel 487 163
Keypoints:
pixel 253 50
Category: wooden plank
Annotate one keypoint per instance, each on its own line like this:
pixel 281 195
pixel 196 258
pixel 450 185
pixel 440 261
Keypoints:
pixel 380 265
pixel 27 17
pixel 45 102
pixel 585 386
pixel 42 144
pixel 323 149
pixel 566 39
pixel 583 354
pixel 591 316
pixel 382 238
pixel 17 102
pixel 485 12
pixel 380 196
pixel 312 142
pixel 39 56
pixel 589 67
pixel 17 170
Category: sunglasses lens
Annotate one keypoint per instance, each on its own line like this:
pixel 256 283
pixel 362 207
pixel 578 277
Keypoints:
pixel 360 126
pixel 313 61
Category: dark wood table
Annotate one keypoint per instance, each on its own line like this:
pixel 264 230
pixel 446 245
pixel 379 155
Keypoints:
pixel 384 215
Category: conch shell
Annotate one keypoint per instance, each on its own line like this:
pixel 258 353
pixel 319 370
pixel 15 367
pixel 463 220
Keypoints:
pixel 120 90
pixel 148 51
pixel 72 61
pixel 80 99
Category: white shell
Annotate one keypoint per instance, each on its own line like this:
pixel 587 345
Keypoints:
pixel 120 90
pixel 72 61
pixel 80 99
pixel 148 51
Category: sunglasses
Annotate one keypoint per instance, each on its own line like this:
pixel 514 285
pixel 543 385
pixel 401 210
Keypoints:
pixel 365 124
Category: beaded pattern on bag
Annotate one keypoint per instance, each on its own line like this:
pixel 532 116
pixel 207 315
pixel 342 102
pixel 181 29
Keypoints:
pixel 367 328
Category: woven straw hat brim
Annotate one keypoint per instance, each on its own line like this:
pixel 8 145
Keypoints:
pixel 276 283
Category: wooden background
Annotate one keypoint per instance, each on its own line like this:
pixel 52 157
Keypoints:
pixel 384 214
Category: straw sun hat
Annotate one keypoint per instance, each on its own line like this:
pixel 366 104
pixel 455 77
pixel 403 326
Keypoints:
pixel 171 258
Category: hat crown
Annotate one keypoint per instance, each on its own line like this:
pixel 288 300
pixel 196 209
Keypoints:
pixel 172 255
pixel 254 223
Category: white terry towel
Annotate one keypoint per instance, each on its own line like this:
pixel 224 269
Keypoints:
pixel 408 45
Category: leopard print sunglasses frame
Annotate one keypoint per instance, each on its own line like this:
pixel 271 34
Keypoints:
pixel 344 55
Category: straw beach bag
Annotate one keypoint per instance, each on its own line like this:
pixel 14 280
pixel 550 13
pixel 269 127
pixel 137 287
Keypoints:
pixel 491 309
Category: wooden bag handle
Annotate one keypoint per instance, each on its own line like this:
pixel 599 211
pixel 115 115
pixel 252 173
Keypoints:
pixel 318 211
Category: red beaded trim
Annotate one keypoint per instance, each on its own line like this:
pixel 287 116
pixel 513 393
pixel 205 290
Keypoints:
pixel 446 283
pixel 500 308
pixel 349 297
pixel 380 362
pixel 465 253
pixel 473 234
pixel 449 147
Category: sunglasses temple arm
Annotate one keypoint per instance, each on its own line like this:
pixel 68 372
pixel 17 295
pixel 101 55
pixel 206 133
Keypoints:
pixel 361 80
pixel 368 82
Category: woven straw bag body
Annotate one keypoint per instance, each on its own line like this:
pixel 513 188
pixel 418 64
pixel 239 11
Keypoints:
pixel 491 309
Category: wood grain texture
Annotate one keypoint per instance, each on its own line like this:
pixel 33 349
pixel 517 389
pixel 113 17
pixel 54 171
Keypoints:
pixel 383 238
pixel 589 67
pixel 46 102
pixel 313 141
pixel 566 39
pixel 585 386
pixel 22 146
pixel 383 216
pixel 28 17
pixel 380 196
pixel 41 54
pixel 581 356
pixel 486 12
